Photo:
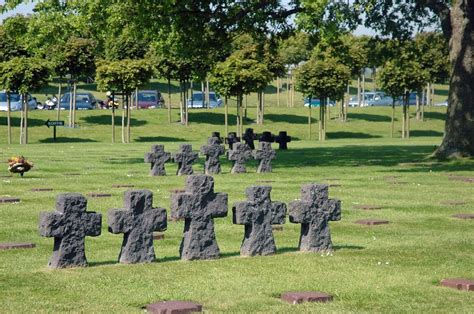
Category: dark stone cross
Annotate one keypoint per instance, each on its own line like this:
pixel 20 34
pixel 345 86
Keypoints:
pixel 212 150
pixel 198 206
pixel 185 158
pixel 231 139
pixel 239 154
pixel 69 224
pixel 258 214
pixel 282 139
pixel 157 157
pixel 264 156
pixel 313 212
pixel 137 221
pixel 218 136
pixel 267 137
pixel 249 137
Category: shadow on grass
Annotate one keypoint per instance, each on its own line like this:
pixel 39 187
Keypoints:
pixel 337 135
pixel 107 119
pixel 348 247
pixel 123 160
pixel 209 117
pixel 168 259
pixel 368 117
pixel 284 250
pixel 158 139
pixel 230 254
pixel 67 140
pixel 16 122
pixel 425 133
pixel 102 263
pixel 435 115
pixel 288 118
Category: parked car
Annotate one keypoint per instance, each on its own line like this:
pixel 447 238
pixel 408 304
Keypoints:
pixel 315 102
pixel 15 101
pixel 368 98
pixel 411 99
pixel 84 100
pixel 198 100
pixel 149 99
pixel 380 99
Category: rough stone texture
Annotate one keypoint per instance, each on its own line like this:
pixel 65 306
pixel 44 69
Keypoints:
pixel 41 190
pixel 157 157
pixel 264 156
pixel 123 186
pixel 267 137
pixel 231 139
pixel 367 207
pixel 282 139
pixel 212 150
pixel 185 158
pixel 239 155
pixel 458 283
pixel 258 214
pixel 249 137
pixel 137 221
pixel 16 245
pixel 372 222
pixel 99 195
pixel 305 296
pixel 69 224
pixel 174 307
pixel 464 216
pixel 9 200
pixel 198 206
pixel 313 212
pixel 218 136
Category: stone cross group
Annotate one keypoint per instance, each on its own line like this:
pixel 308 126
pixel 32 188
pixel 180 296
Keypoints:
pixel 239 155
pixel 198 205
pixel 212 151
pixel 185 157
pixel 157 157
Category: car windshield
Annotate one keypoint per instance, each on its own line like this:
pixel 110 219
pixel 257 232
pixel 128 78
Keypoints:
pixel 147 97
pixel 197 97
pixel 212 97
pixel 13 97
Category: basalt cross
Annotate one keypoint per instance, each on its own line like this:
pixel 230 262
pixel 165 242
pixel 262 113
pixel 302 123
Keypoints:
pixel 198 205
pixel 137 221
pixel 264 156
pixel 314 212
pixel 185 158
pixel 157 157
pixel 212 150
pixel 258 214
pixel 239 154
pixel 69 224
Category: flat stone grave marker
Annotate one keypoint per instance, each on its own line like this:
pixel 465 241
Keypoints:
pixel 212 151
pixel 157 157
pixel 453 203
pixel 185 157
pixel 99 195
pixel 334 185
pixel 137 221
pixel 264 156
pixel 464 216
pixel 367 207
pixel 305 296
pixel 174 307
pixel 199 205
pixel 239 155
pixel 264 181
pixel 158 236
pixel 372 222
pixel 277 228
pixel 69 224
pixel 313 212
pixel 123 186
pixel 258 214
pixel 9 200
pixel 42 190
pixel 71 174
pixel 249 137
pixel 458 283
pixel 282 139
pixel 16 245
pixel 231 139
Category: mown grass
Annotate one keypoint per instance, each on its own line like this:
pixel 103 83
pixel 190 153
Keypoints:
pixel 389 268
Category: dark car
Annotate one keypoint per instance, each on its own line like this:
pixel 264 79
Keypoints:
pixel 149 99
pixel 84 101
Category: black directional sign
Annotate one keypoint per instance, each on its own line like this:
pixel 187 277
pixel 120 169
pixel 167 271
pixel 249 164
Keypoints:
pixel 54 123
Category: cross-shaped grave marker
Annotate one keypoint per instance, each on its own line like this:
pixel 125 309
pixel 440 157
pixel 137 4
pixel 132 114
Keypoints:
pixel 258 214
pixel 198 205
pixel 249 137
pixel 264 156
pixel 69 224
pixel 231 139
pixel 137 221
pixel 282 139
pixel 239 154
pixel 157 157
pixel 185 158
pixel 313 212
pixel 212 151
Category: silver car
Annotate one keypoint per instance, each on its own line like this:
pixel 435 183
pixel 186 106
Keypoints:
pixel 15 101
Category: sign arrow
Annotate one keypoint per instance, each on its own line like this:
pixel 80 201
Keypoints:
pixel 49 123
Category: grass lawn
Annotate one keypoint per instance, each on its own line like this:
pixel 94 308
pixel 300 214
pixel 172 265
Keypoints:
pixel 390 268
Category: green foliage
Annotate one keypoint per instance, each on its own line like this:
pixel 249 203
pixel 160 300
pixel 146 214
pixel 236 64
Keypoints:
pixel 295 49
pixel 123 75
pixel 9 47
pixel 432 52
pixel 24 74
pixel 398 76
pixel 78 57
pixel 323 78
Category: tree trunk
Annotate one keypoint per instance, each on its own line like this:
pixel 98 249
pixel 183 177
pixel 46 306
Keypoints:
pixel 359 100
pixel 288 91
pixel 169 100
pixel 246 106
pixel 262 110
pixel 392 125
pixel 74 105
pixel 309 119
pixel 259 96
pixel 459 127
pixel 238 116
pixel 374 81
pixel 21 120
pixel 113 117
pixel 418 109
pixel 70 106
pixel 207 95
pixel 58 109
pixel 226 114
pixel 278 92
pixel 129 113
pixel 9 122
pixel 123 118
pixel 25 97
pixel 363 86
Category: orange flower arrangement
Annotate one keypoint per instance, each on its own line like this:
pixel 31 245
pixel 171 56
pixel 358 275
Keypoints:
pixel 18 164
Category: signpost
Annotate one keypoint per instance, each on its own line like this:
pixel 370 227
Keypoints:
pixel 54 124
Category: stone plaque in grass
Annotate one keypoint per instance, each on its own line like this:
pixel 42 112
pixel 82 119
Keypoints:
pixel 42 189
pixel 453 203
pixel 118 186
pixel 335 185
pixel 158 236
pixel 367 207
pixel 9 200
pixel 277 228
pixel 305 296
pixel 99 195
pixel 72 174
pixel 16 245
pixel 372 222
pixel 464 216
pixel 458 283
pixel 172 307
